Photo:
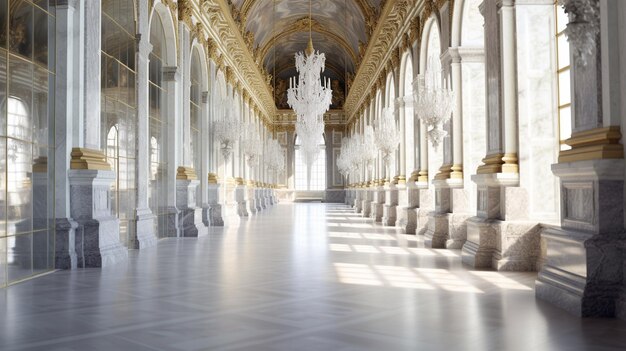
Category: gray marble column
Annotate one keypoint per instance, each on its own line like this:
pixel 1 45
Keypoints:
pixel 171 81
pixel 144 218
pixel 91 67
pixel 65 118
pixel 585 255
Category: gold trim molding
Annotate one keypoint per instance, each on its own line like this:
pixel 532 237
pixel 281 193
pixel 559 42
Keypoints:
pixel 491 164
pixel 83 158
pixel 594 144
pixel 186 173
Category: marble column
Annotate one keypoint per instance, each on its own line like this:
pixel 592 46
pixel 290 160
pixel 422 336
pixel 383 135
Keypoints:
pixel 90 176
pixel 505 234
pixel 65 118
pixel 144 218
pixel 584 272
pixel 215 208
pixel 171 80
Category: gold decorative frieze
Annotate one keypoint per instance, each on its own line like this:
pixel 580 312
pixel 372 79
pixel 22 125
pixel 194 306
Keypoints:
pixel 594 144
pixel 83 158
pixel 186 173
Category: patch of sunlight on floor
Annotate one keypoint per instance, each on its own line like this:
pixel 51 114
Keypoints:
pixel 392 250
pixel 340 247
pixel 421 251
pixel 344 235
pixel 365 249
pixel 499 280
pixel 378 236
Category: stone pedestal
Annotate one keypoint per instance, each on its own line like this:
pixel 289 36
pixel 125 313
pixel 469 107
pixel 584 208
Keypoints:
pixel 585 266
pixel 251 191
pixel 144 224
pixel 426 206
pixel 436 234
pixel 189 215
pixel 97 244
pixel 407 213
pixel 65 244
pixel 358 201
pixel 240 198
pixel 499 237
pixel 366 203
pixel 213 212
pixel 391 205
pixel 349 196
pixel 378 203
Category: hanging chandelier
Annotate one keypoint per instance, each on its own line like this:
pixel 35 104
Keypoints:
pixel 433 103
pixel 227 130
pixel 387 135
pixel 252 146
pixel 309 98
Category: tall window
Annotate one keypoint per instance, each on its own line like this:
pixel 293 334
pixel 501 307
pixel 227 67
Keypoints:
pixel 27 73
pixel 318 169
pixel 563 75
pixel 119 107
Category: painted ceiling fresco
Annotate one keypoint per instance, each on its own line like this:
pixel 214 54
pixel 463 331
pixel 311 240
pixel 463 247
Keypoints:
pixel 341 30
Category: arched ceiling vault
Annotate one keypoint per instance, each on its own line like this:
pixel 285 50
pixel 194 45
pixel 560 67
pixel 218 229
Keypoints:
pixel 276 29
pixel 300 26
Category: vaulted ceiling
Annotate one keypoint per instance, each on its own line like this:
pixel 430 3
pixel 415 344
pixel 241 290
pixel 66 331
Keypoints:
pixel 278 29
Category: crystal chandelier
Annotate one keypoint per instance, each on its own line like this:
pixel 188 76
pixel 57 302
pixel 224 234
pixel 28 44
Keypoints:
pixel 251 145
pixel 387 136
pixel 308 98
pixel 275 159
pixel 433 103
pixel 227 131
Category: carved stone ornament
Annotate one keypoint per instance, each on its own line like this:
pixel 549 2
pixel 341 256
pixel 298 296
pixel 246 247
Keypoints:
pixel 583 29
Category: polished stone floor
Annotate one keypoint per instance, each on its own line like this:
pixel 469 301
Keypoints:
pixel 293 277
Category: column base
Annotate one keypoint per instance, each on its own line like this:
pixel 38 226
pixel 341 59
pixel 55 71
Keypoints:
pixel 377 211
pixel 582 274
pixel 65 244
pixel 501 245
pixel 436 234
pixel 407 219
pixel 190 219
pixel 389 215
pixel 171 222
pixel 252 205
pixel 99 245
pixel 215 215
pixel 457 230
pixel 367 208
pixel 144 224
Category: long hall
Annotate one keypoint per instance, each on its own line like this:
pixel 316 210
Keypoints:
pixel 299 276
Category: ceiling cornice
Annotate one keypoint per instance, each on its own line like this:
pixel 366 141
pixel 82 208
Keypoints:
pixel 394 21
pixel 216 21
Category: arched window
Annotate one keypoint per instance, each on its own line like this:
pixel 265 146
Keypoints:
pixel 317 179
pixel 119 107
